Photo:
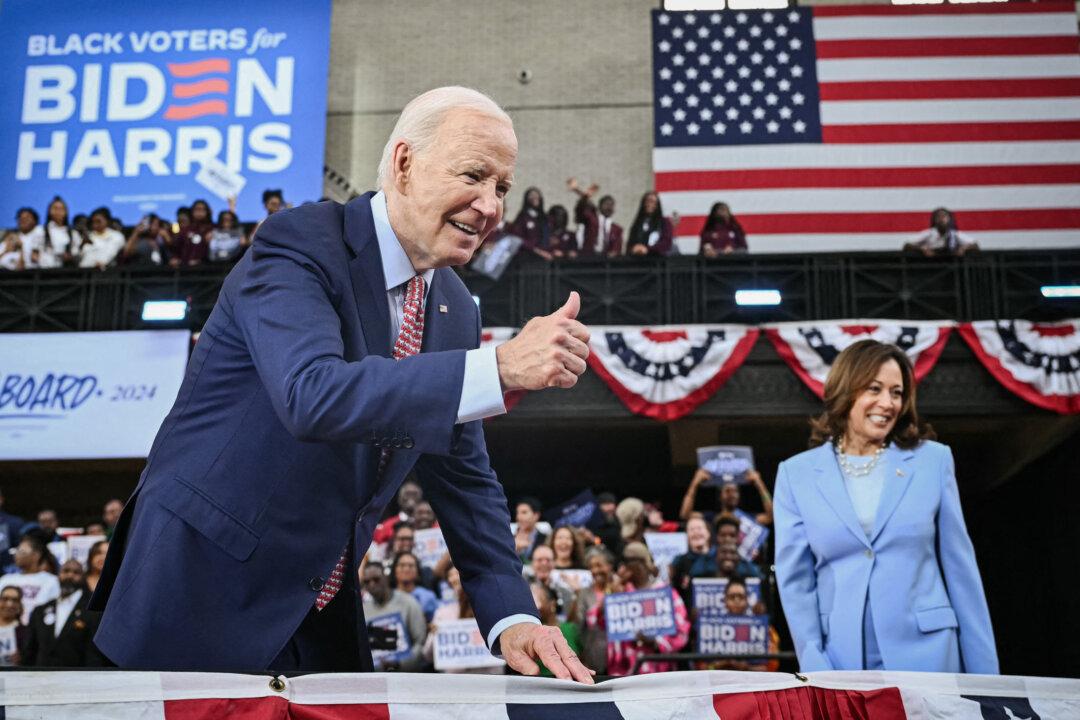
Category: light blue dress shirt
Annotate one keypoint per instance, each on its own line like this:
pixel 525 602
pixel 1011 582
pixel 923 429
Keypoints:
pixel 865 494
pixel 481 390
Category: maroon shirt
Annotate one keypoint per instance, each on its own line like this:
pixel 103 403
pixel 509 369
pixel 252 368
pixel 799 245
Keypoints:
pixel 722 237
pixel 193 243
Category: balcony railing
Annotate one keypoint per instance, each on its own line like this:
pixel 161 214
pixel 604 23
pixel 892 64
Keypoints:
pixel 620 291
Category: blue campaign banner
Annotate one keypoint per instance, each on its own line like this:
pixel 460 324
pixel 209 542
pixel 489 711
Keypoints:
pixel 734 635
pixel 393 621
pixel 752 535
pixel 726 463
pixel 124 103
pixel 582 510
pixel 650 612
pixel 708 595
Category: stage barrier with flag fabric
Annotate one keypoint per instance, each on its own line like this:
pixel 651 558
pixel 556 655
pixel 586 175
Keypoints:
pixel 810 348
pixel 666 372
pixel 719 695
pixel 840 128
pixel 1040 362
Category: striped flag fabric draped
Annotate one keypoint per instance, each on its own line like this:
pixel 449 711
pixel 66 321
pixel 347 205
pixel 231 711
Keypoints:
pixel 715 695
pixel 841 128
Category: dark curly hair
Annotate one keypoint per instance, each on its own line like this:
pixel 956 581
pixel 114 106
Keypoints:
pixel 852 372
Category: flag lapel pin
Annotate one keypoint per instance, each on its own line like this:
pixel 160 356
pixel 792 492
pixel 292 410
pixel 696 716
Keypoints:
pixel 443 309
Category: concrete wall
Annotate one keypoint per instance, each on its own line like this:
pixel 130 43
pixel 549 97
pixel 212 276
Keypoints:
pixel 587 110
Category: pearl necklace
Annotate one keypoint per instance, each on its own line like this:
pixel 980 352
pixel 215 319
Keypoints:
pixel 856 471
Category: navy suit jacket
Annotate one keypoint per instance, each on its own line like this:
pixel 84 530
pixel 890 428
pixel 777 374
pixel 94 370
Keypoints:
pixel 266 466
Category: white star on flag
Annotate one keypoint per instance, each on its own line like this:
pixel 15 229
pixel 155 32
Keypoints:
pixel 665 101
pixel 719 128
pixel 772 126
pixel 746 126
pixel 666 129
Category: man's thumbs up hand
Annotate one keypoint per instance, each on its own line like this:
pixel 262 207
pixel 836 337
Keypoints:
pixel 549 351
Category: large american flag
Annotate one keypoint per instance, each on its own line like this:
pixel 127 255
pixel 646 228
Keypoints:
pixel 841 128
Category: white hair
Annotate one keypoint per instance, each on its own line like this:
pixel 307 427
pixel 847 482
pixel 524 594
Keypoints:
pixel 420 120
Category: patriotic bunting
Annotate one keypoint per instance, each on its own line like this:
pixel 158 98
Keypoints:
pixel 122 695
pixel 810 348
pixel 1040 362
pixel 666 372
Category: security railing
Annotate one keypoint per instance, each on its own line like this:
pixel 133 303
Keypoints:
pixel 618 291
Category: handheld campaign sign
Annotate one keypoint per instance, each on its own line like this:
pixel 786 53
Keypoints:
pixel 87 395
pixel 393 621
pixel 216 177
pixel 429 546
pixel 665 547
pixel 734 635
pixel 726 463
pixel 124 103
pixel 582 510
pixel 79 546
pixel 709 595
pixel 573 579
pixel 459 645
pixel 650 612
pixel 752 535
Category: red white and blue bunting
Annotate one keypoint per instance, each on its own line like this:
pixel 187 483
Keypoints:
pixel 666 372
pixel 810 348
pixel 1040 362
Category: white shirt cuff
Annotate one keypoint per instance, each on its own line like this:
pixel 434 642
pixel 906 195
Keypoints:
pixel 481 391
pixel 496 631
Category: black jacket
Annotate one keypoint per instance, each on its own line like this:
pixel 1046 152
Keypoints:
pixel 73 648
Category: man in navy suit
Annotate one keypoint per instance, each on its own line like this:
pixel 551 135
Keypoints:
pixel 295 426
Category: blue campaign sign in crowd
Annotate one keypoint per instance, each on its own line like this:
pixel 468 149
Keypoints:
pixel 123 103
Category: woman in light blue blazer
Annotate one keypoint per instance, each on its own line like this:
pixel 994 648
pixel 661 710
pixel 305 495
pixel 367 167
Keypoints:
pixel 873 560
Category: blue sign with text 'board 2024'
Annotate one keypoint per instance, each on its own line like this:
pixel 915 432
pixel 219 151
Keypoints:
pixel 121 103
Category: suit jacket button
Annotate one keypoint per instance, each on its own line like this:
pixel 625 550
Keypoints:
pixel 407 443
pixel 385 442
pixel 397 443
pixel 315 583
pixel 869 553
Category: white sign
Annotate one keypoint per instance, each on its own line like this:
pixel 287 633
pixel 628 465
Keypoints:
pixel 459 645
pixel 87 395
pixel 216 177
pixel 665 547
pixel 59 550
pixel 79 547
pixel 573 579
pixel 429 546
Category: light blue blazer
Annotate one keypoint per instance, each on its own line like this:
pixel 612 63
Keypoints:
pixel 918 566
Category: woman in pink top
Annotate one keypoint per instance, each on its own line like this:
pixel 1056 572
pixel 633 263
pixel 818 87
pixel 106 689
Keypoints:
pixel 637 572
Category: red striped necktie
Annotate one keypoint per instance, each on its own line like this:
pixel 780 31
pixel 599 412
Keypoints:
pixel 409 339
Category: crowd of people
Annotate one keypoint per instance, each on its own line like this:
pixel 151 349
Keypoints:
pixel 46 586
pixel 193 237
pixel 98 240
pixel 44 621
pixel 573 568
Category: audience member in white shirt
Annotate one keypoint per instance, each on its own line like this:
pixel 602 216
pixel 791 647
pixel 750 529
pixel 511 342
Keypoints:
pixel 942 237
pixel 38 585
pixel 31 235
pixel 61 240
pixel 103 243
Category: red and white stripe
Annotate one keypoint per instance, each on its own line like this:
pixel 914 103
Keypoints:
pixel 972 107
